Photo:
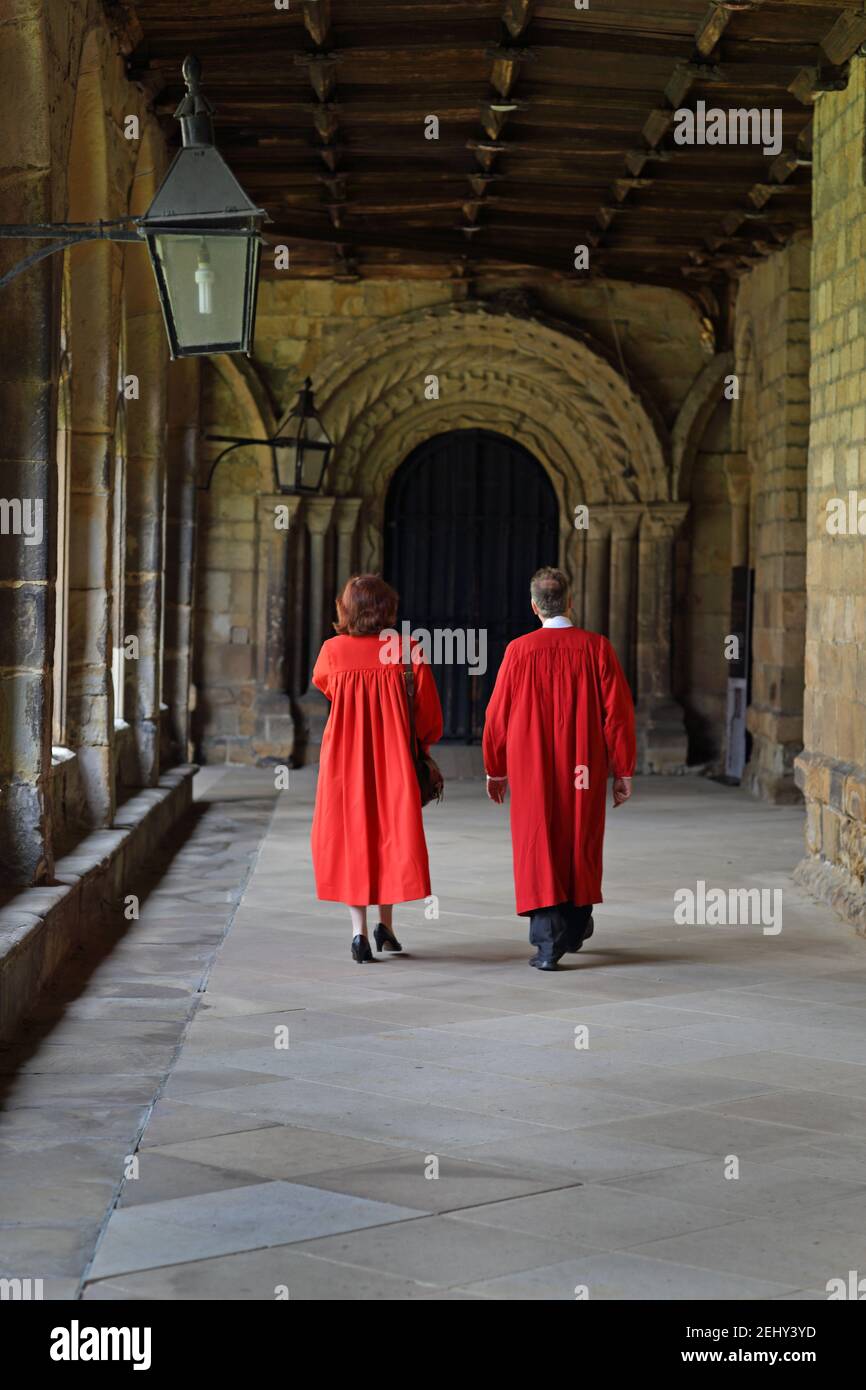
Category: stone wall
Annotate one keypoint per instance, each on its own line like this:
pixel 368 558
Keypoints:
pixel 771 427
pixel 657 333
pixel 70 153
pixel 832 768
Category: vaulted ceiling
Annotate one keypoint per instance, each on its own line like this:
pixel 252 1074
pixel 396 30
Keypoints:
pixel 555 126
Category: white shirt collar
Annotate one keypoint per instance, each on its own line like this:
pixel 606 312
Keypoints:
pixel 559 621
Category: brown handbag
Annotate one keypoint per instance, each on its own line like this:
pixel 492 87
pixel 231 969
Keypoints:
pixel 431 783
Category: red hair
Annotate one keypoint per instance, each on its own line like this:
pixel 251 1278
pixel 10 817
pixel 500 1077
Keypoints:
pixel 366 606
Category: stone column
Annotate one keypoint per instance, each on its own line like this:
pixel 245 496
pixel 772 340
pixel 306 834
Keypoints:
pixel 276 522
pixel 572 556
pixel 145 502
pixel 182 471
pixel 662 741
pixel 29 348
pixel 739 479
pixel 595 607
pixel 274 585
pixel 624 523
pixel 318 513
pixel 298 561
pixel 345 521
pixel 95 315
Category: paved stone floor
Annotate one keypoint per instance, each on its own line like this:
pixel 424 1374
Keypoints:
pixel 306 1170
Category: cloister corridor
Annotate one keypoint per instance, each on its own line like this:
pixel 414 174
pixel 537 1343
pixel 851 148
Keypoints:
pixel 307 1168
pixel 473 387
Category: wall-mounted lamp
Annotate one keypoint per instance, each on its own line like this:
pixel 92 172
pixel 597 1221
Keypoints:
pixel 203 234
pixel 301 452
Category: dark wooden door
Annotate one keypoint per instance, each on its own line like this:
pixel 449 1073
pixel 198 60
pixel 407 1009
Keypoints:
pixel 470 516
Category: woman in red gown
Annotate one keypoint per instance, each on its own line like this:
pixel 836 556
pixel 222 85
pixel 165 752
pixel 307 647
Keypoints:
pixel 368 836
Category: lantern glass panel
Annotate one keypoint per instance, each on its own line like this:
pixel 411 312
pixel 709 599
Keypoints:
pixel 301 463
pixel 208 282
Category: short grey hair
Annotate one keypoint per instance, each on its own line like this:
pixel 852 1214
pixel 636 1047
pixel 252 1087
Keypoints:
pixel 549 589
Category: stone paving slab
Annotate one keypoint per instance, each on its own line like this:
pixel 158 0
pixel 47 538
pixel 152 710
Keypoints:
pixel 80 1078
pixel 432 1130
pixel 223 1222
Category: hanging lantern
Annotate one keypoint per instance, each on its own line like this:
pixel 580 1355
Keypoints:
pixel 203 234
pixel 302 450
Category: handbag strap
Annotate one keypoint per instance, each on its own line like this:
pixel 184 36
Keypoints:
pixel 409 685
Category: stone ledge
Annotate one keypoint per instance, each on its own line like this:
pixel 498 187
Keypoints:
pixel 40 926
pixel 837 784
pixel 832 885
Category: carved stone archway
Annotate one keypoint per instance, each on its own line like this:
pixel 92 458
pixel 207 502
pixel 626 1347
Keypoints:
pixel 592 433
pixel 551 389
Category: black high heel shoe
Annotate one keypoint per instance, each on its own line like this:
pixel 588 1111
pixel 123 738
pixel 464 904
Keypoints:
pixel 385 939
pixel 361 950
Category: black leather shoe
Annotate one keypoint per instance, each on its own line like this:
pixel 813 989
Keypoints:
pixel 385 939
pixel 545 962
pixel 586 935
pixel 361 950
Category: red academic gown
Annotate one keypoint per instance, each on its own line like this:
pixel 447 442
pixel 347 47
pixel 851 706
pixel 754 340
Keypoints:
pixel 368 836
pixel 560 702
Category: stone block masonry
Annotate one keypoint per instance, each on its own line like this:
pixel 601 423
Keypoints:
pixel 40 927
pixel 831 770
pixel 771 430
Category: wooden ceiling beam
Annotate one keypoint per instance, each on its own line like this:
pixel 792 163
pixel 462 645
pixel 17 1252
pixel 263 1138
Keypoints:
pixel 809 82
pixel 685 76
pixel 843 40
pixel 317 19
pixel 575 86
pixel 517 16
pixel 495 111
pixel 657 125
pixel 507 62
pixel 323 77
pixel 322 72
pixel 716 21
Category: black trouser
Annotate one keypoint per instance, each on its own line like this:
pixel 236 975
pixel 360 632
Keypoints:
pixel 555 930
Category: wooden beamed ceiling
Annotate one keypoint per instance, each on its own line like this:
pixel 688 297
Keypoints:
pixel 555 127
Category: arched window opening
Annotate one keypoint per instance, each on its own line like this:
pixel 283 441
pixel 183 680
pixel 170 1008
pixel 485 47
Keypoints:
pixel 63 454
pixel 118 538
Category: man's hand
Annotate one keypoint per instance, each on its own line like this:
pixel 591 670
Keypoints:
pixel 496 789
pixel 621 790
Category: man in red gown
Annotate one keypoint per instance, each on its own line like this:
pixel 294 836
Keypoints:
pixel 560 721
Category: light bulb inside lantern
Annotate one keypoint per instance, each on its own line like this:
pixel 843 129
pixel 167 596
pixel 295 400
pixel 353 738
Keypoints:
pixel 204 278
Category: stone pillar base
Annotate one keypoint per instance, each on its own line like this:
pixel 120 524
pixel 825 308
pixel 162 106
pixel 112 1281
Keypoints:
pixel 313 709
pixel 275 741
pixel 834 867
pixel 778 789
pixel 662 741
pixel 769 773
pixel 830 884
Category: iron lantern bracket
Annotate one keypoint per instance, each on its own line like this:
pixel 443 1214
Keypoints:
pixel 65 234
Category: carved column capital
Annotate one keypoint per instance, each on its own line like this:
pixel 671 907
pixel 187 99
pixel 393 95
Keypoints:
pixel 662 520
pixel 599 521
pixel 346 511
pixel 625 519
pixel 317 514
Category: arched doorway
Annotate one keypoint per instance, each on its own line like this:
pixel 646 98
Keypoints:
pixel 470 515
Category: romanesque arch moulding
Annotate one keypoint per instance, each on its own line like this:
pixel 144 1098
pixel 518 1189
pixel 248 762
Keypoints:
pixel 524 378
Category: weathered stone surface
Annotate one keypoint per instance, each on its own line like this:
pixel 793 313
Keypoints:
pixel 832 769
pixel 772 365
